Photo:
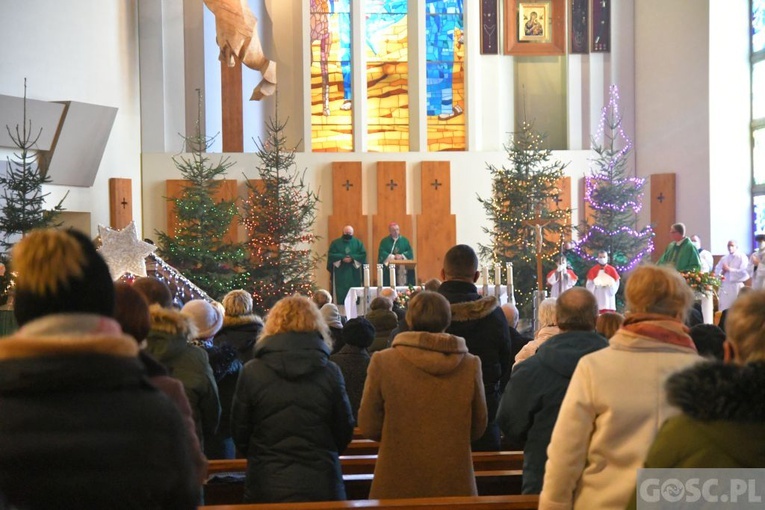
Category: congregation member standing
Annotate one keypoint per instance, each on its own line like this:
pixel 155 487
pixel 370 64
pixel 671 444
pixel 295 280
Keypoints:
pixel 547 328
pixel 532 398
pixel 80 426
pixel 344 260
pixel 241 326
pixel 481 322
pixel 615 401
pixel 733 270
pixel 424 402
pixel 353 358
pixel 383 319
pixel 291 416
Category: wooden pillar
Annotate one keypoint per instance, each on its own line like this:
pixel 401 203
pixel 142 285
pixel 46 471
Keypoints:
pixel 232 109
pixel 436 225
pixel 391 206
pixel 346 204
pixel 663 212
pixel 120 203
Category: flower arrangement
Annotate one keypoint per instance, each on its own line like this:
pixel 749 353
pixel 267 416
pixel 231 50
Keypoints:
pixel 702 283
pixel 405 296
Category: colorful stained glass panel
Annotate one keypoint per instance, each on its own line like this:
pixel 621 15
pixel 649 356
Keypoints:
pixel 758 25
pixel 758 156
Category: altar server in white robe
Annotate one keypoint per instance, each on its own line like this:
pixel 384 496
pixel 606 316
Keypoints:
pixel 758 276
pixel 561 278
pixel 603 281
pixel 733 270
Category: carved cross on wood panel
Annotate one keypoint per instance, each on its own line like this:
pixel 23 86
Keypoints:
pixel 124 203
pixel 347 185
pixel 436 184
pixel 391 185
pixel 661 197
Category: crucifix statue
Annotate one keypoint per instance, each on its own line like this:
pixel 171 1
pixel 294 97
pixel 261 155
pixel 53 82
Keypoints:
pixel 538 223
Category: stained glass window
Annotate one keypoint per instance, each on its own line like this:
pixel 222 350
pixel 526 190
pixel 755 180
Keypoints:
pixel 331 121
pixel 758 90
pixel 759 213
pixel 758 25
pixel 758 156
pixel 445 71
pixel 387 75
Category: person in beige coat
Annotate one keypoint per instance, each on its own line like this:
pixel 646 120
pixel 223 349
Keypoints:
pixel 616 402
pixel 424 401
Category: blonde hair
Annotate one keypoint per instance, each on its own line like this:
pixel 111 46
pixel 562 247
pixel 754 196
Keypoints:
pixel 745 326
pixel 428 311
pixel 547 314
pixel 658 289
pixel 237 302
pixel 295 314
pixel 321 297
pixel 609 323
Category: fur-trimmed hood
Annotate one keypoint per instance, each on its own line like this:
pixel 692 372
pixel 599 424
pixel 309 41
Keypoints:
pixel 474 310
pixel 434 353
pixel 172 322
pixel 241 320
pixel 720 391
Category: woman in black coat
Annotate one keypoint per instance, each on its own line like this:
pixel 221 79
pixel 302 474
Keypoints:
pixel 291 416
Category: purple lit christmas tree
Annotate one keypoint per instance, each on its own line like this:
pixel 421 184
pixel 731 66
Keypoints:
pixel 614 196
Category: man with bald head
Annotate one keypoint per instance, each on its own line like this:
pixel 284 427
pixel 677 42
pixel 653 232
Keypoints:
pixel 480 321
pixel 344 260
pixel 532 398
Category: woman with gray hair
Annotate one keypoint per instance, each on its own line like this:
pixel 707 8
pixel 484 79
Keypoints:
pixel 291 416
pixel 548 327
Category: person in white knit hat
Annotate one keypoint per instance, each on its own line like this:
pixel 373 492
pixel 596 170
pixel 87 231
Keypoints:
pixel 206 317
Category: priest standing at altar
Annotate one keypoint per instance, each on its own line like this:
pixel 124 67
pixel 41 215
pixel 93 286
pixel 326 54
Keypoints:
pixel 395 247
pixel 345 259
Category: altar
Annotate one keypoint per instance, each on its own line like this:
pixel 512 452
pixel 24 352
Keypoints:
pixel 354 300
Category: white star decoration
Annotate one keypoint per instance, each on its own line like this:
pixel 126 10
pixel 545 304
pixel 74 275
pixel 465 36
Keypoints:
pixel 123 251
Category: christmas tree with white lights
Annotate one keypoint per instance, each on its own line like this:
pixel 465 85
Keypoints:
pixel 525 193
pixel 614 196
pixel 279 215
pixel 198 247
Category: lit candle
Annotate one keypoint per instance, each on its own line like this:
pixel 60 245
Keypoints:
pixel 392 269
pixel 379 275
pixel 366 275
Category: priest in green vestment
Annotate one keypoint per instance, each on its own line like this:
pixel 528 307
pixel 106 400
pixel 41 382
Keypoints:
pixel 680 254
pixel 395 247
pixel 344 261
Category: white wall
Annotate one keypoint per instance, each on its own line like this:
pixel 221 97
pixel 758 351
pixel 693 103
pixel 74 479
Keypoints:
pixel 81 51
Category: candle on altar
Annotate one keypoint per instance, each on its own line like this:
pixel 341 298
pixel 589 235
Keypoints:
pixel 366 275
pixel 392 269
pixel 485 275
pixel 497 278
pixel 509 274
pixel 379 275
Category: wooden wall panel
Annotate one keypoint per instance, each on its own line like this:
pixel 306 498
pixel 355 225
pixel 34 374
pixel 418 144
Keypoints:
pixel 585 211
pixel 120 203
pixel 391 206
pixel 436 225
pixel 346 203
pixel 226 191
pixel 663 210
pixel 232 109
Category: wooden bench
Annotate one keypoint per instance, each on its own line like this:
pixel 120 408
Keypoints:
pixel 363 464
pixel 357 486
pixel 524 502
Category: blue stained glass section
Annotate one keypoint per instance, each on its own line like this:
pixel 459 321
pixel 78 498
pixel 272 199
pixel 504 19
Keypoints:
pixel 759 214
pixel 758 25
pixel 386 6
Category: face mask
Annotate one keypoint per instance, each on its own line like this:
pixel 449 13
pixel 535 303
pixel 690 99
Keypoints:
pixel 347 237
pixel 603 260
pixel 762 244
pixel 697 245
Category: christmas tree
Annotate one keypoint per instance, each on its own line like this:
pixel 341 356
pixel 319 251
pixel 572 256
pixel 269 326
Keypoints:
pixel 23 200
pixel 279 215
pixel 523 194
pixel 197 247
pixel 614 196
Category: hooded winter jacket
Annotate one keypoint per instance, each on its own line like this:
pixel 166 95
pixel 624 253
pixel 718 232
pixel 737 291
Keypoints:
pixel 424 402
pixel 168 343
pixel 291 418
pixel 240 332
pixel 481 322
pixel 532 398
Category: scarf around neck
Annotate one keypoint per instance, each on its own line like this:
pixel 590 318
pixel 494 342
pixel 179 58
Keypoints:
pixel 661 328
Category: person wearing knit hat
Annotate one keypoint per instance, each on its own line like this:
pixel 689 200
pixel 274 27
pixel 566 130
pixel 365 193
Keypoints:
pixel 206 317
pixel 332 318
pixel 73 393
pixel 353 358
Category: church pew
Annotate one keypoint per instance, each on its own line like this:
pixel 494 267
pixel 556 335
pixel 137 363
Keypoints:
pixel 360 464
pixel 357 486
pixel 513 502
